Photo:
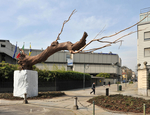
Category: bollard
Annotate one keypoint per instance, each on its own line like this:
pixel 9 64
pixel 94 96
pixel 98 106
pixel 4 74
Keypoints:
pixel 107 91
pixel 144 109
pixel 93 108
pixel 25 99
pixel 75 107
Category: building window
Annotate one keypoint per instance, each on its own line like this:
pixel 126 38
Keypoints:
pixel 2 45
pixel 146 35
pixel 147 52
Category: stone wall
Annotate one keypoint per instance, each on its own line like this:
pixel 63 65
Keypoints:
pixel 143 80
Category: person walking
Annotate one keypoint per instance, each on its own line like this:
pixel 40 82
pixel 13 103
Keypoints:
pixel 109 83
pixel 93 88
pixel 104 83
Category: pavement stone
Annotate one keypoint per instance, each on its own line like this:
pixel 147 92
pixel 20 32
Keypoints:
pixel 64 105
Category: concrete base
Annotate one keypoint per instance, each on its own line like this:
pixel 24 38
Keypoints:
pixel 25 82
pixel 75 107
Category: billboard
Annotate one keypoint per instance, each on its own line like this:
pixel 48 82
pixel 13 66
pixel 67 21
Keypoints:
pixel 69 62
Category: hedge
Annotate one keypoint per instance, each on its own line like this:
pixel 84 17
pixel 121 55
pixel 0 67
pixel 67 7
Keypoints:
pixel 106 75
pixel 7 70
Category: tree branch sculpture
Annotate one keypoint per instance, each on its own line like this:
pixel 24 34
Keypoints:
pixel 26 62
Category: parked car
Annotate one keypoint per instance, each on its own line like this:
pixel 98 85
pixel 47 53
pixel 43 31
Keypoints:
pixel 125 81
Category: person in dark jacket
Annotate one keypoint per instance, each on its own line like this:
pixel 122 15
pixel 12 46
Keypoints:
pixel 109 83
pixel 104 83
pixel 93 88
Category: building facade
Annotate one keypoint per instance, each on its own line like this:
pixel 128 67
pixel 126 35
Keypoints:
pixel 92 63
pixel 143 40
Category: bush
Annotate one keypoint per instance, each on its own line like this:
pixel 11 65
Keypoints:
pixel 45 75
pixel 7 71
pixel 118 82
pixel 131 82
pixel 106 75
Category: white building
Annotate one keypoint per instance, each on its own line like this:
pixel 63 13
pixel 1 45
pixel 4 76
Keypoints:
pixel 143 41
pixel 98 62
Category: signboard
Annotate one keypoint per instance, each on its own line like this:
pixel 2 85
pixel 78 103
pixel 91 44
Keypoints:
pixel 69 62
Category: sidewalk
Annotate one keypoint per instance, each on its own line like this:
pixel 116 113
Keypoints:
pixel 64 105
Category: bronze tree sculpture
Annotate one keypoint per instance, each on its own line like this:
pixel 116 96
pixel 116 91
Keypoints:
pixel 26 62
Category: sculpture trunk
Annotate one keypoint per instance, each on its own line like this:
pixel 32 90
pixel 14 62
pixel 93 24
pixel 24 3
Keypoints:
pixel 26 62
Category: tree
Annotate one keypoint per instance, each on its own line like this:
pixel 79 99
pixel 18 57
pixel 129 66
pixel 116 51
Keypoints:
pixel 26 62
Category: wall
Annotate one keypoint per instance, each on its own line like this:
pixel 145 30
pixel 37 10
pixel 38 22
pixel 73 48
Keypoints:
pixel 8 49
pixel 49 66
pixel 98 63
pixel 143 80
pixel 141 43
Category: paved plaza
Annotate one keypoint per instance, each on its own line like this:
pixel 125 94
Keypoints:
pixel 64 105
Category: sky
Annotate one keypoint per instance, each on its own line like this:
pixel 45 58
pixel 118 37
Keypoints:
pixel 39 22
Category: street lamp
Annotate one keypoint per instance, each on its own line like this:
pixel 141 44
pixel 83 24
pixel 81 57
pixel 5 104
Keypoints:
pixel 86 66
pixel 116 64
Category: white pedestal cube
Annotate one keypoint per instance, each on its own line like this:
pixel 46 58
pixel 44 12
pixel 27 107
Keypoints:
pixel 25 81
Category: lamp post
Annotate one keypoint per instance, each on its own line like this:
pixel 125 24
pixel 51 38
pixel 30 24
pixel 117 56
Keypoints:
pixel 116 64
pixel 86 66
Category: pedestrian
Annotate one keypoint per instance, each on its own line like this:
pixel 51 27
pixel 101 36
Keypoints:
pixel 109 83
pixel 104 83
pixel 93 88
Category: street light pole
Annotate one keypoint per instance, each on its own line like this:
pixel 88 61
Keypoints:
pixel 117 67
pixel 118 78
pixel 85 67
pixel 84 78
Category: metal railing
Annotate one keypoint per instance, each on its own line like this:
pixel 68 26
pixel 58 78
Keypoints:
pixel 144 10
pixel 6 87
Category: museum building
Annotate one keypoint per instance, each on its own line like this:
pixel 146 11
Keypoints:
pixel 92 63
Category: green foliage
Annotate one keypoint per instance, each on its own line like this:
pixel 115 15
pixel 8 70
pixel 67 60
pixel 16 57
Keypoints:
pixel 7 71
pixel 55 67
pixel 118 82
pixel 62 68
pixel 45 66
pixel 45 75
pixel 106 75
pixel 131 82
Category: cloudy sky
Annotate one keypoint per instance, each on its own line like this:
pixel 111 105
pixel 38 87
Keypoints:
pixel 40 21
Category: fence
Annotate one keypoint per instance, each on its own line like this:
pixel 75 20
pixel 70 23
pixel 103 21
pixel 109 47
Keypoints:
pixel 77 104
pixel 6 87
pixel 48 86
